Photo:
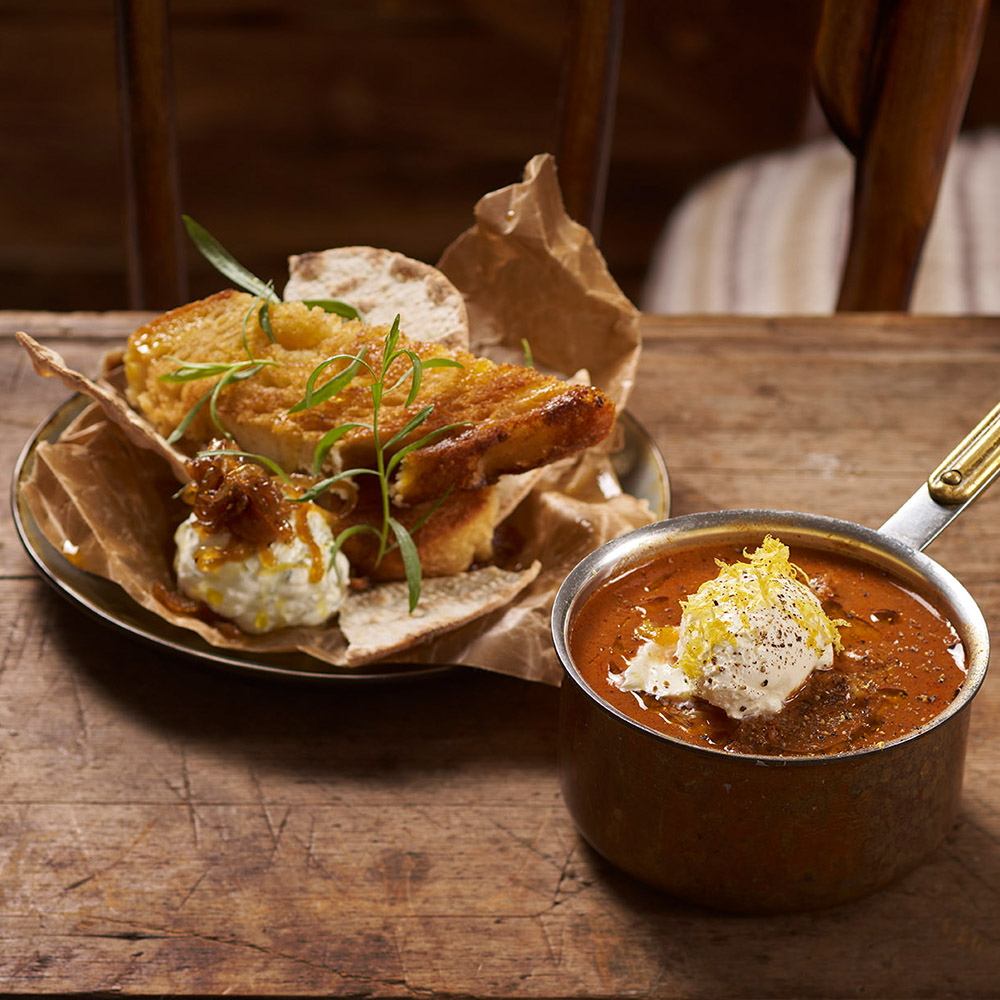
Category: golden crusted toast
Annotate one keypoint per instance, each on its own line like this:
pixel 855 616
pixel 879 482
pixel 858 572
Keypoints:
pixel 517 418
pixel 457 534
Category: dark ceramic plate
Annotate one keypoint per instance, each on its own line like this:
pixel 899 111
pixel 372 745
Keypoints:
pixel 638 464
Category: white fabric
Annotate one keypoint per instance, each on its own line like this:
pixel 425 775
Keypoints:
pixel 768 236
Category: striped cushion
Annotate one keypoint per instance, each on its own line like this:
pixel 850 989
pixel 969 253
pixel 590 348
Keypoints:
pixel 768 236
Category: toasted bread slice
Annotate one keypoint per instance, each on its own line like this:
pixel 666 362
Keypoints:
pixel 513 418
pixel 457 534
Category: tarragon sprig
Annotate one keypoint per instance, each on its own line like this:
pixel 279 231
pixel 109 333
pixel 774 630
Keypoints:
pixel 386 458
pixel 190 371
pixel 263 291
pixel 226 264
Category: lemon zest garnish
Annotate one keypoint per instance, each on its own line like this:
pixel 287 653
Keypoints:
pixel 769 579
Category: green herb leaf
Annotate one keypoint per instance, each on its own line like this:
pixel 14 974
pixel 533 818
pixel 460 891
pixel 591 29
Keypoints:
pixel 403 376
pixel 388 352
pixel 441 363
pixel 427 514
pixel 411 425
pixel 403 452
pixel 411 561
pixel 425 517
pixel 236 373
pixel 243 331
pixel 418 374
pixel 526 347
pixel 338 542
pixel 338 383
pixel 335 306
pixel 191 371
pixel 223 261
pixel 328 440
pixel 181 429
pixel 264 318
pixel 320 488
pixel 213 406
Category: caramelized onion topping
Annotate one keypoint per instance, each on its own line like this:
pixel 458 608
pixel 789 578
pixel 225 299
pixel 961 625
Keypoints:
pixel 231 494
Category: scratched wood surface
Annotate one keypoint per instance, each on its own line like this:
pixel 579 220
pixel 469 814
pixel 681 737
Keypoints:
pixel 166 828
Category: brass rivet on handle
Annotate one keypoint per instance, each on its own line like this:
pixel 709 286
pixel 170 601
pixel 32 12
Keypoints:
pixel 970 467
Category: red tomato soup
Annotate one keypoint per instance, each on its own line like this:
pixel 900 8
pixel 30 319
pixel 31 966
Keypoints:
pixel 900 665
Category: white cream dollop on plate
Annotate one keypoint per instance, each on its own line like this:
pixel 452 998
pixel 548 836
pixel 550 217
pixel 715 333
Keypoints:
pixel 278 586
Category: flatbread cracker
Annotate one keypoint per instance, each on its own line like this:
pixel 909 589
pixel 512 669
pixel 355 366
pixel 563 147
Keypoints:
pixel 376 623
pixel 381 283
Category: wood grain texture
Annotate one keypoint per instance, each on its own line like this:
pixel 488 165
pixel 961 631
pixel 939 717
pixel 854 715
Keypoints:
pixel 169 829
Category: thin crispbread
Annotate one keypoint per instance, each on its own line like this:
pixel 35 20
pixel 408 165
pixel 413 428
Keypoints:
pixel 381 284
pixel 376 623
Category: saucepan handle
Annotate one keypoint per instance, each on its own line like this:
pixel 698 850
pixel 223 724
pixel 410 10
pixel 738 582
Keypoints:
pixel 951 487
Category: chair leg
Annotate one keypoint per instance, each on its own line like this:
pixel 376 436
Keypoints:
pixel 587 107
pixel 924 61
pixel 154 240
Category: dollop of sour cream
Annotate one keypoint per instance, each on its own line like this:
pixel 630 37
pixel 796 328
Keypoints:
pixel 748 639
pixel 279 585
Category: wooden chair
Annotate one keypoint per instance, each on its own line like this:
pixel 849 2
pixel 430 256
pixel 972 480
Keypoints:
pixel 892 76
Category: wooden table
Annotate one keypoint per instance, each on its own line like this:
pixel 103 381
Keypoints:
pixel 166 828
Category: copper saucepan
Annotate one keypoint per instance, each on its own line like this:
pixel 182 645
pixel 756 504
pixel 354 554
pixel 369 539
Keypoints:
pixel 767 833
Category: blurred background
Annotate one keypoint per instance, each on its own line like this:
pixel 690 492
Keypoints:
pixel 306 124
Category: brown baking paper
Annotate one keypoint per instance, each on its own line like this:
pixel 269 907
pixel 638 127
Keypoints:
pixel 529 274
